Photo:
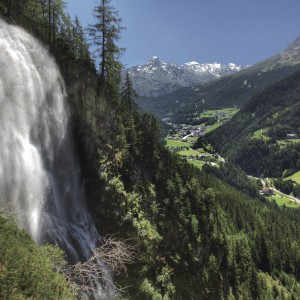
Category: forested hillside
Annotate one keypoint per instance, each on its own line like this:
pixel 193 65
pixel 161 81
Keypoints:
pixel 195 236
pixel 262 137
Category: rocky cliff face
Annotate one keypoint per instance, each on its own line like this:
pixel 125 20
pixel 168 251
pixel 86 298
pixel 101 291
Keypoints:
pixel 94 127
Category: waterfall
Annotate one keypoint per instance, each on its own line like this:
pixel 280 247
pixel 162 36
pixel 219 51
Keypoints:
pixel 39 172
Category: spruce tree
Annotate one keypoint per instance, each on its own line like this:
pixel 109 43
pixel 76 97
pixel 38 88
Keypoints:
pixel 128 94
pixel 129 113
pixel 104 35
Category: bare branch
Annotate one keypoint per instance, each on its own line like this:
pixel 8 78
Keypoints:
pixel 107 260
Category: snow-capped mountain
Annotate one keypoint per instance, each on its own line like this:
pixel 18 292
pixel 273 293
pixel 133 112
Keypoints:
pixel 158 77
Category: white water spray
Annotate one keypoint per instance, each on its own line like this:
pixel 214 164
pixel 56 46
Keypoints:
pixel 39 173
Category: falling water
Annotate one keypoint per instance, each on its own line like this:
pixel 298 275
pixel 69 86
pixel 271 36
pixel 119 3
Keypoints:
pixel 40 175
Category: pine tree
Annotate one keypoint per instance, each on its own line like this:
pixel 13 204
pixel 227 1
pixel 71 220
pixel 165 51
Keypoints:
pixel 104 34
pixel 129 113
pixel 149 138
pixel 128 94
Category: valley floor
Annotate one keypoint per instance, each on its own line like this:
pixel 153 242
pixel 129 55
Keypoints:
pixel 182 140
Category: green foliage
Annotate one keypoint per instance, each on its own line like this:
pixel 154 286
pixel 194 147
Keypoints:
pixel 257 157
pixel 47 20
pixel 78 41
pixel 296 190
pixel 295 177
pixel 234 176
pixel 197 237
pixel 148 291
pixel 277 109
pixel 285 186
pixel 279 131
pixel 28 271
pixel 104 34
pixel 128 94
pixel 279 285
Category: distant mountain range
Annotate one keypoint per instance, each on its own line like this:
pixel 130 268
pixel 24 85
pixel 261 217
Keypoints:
pixel 157 77
pixel 231 90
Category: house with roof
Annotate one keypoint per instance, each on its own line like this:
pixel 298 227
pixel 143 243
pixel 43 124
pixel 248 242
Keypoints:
pixel 267 191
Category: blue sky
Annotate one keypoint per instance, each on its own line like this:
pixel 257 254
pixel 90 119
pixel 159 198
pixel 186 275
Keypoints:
pixel 239 31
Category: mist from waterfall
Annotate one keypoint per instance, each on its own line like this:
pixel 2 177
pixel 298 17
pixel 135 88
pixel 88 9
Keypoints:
pixel 39 171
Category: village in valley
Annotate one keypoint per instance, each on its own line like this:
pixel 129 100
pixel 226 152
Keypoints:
pixel 189 142
pixel 184 140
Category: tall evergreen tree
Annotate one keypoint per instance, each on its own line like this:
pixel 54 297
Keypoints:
pixel 104 34
pixel 128 93
pixel 129 113
pixel 79 41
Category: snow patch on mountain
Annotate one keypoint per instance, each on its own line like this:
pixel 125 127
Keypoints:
pixel 158 77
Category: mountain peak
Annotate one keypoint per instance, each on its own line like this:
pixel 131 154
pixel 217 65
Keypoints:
pixel 154 61
pixel 191 63
pixel 158 77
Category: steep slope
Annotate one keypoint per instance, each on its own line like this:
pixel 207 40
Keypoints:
pixel 257 135
pixel 232 90
pixel 196 237
pixel 158 77
pixel 29 271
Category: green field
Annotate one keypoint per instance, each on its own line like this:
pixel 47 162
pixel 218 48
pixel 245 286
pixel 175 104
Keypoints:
pixel 173 143
pixel 295 177
pixel 201 151
pixel 281 201
pixel 230 111
pixel 222 115
pixel 197 163
pixel 192 139
pixel 213 127
pixel 188 152
pixel 192 152
pixel 259 134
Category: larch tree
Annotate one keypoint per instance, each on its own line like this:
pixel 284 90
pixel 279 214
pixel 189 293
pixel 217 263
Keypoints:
pixel 104 35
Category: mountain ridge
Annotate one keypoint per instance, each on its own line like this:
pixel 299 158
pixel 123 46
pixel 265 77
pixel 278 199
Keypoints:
pixel 228 91
pixel 158 77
